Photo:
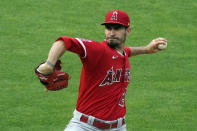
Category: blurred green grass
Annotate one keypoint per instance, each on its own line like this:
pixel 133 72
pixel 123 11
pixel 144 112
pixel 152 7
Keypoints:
pixel 162 92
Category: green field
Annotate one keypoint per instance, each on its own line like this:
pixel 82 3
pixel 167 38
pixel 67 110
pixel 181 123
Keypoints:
pixel 162 95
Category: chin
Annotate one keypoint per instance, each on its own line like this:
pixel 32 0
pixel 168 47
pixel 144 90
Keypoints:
pixel 113 44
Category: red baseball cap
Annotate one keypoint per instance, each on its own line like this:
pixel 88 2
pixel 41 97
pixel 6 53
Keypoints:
pixel 118 17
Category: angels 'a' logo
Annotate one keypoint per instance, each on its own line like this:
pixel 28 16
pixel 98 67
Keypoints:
pixel 114 15
pixel 108 78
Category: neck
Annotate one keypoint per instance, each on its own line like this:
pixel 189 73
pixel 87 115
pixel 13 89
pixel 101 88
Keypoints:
pixel 120 48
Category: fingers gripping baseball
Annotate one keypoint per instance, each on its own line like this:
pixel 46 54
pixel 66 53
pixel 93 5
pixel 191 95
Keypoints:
pixel 154 45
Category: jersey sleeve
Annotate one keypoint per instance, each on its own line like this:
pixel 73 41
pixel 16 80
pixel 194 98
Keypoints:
pixel 128 50
pixel 84 48
pixel 73 45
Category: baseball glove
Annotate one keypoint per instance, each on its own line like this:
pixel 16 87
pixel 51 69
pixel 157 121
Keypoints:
pixel 56 81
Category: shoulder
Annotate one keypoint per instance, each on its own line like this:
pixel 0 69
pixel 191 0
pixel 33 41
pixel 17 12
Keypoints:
pixel 127 50
pixel 86 41
pixel 92 44
pixel 91 48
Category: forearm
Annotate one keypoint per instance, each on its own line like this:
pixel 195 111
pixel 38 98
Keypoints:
pixel 55 53
pixel 138 50
pixel 152 47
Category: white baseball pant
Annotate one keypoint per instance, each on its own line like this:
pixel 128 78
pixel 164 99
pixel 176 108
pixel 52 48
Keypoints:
pixel 76 125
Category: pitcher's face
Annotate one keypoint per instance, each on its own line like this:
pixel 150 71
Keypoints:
pixel 115 35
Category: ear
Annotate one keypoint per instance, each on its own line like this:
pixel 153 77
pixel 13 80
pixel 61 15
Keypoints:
pixel 128 31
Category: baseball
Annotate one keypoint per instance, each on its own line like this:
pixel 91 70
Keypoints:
pixel 162 46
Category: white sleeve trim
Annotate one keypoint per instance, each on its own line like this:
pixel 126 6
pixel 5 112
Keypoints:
pixel 84 48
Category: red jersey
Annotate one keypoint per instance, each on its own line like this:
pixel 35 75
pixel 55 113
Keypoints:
pixel 104 78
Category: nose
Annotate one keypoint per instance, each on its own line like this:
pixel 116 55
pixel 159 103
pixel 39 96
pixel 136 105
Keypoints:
pixel 112 32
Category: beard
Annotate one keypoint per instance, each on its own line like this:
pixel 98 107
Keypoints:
pixel 115 42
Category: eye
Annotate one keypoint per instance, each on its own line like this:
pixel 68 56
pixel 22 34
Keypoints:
pixel 117 27
pixel 108 27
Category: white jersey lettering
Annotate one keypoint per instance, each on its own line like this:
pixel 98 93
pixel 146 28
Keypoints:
pixel 113 76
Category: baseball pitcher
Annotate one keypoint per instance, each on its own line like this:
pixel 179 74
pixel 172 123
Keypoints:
pixel 105 74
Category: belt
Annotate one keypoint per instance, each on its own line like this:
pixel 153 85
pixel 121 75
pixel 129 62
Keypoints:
pixel 99 124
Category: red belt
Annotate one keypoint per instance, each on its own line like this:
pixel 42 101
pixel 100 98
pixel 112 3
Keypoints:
pixel 100 124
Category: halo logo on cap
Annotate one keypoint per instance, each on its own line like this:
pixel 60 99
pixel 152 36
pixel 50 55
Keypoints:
pixel 117 17
pixel 114 16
